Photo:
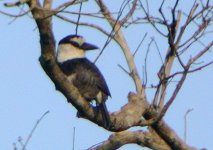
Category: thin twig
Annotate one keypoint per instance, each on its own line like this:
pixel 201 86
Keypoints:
pixel 185 73
pixel 79 16
pixel 84 24
pixel 146 57
pixel 179 59
pixel 174 10
pixel 66 5
pixel 33 130
pixel 185 123
pixel 12 4
pixel 200 31
pixel 159 53
pixel 201 53
pixel 188 20
pixel 22 13
pixel 15 16
pixel 192 70
pixel 130 13
pixel 149 18
pixel 122 68
pixel 73 139
pixel 139 45
pixel 120 39
pixel 176 91
pixel 94 15
pixel 196 39
pixel 113 31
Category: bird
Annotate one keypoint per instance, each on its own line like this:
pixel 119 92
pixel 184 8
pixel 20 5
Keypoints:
pixel 83 73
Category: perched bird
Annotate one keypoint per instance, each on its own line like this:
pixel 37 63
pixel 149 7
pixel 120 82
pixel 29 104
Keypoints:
pixel 83 73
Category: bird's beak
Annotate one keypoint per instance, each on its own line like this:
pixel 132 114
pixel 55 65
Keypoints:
pixel 88 46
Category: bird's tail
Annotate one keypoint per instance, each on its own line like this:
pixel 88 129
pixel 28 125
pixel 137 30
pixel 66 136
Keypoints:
pixel 105 114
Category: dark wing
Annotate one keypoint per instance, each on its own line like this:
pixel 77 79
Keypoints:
pixel 88 78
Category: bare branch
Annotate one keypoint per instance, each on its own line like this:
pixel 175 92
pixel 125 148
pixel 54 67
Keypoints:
pixel 141 138
pixel 192 70
pixel 47 4
pixel 158 50
pixel 136 112
pixel 193 41
pixel 21 14
pixel 189 19
pixel 185 123
pixel 33 130
pixel 79 16
pixel 84 24
pixel 139 45
pixel 186 71
pixel 146 57
pixel 114 30
pixel 201 53
pixel 174 10
pixel 180 83
pixel 67 4
pixel 200 31
pixel 170 57
pixel 151 21
pixel 180 61
pixel 201 67
pixel 163 16
pixel 170 136
pixel 119 38
pixel 177 89
pixel 94 15
pixel 130 13
pixel 73 141
pixel 122 68
pixel 12 4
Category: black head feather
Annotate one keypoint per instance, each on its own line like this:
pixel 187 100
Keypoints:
pixel 77 41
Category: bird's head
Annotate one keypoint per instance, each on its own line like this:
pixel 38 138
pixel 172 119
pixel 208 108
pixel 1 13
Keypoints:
pixel 71 47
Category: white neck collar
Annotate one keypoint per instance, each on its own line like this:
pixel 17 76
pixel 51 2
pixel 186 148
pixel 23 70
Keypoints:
pixel 67 51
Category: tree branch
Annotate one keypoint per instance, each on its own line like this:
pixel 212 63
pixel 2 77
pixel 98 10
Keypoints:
pixel 12 4
pixel 130 13
pixel 119 38
pixel 137 112
pixel 141 138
